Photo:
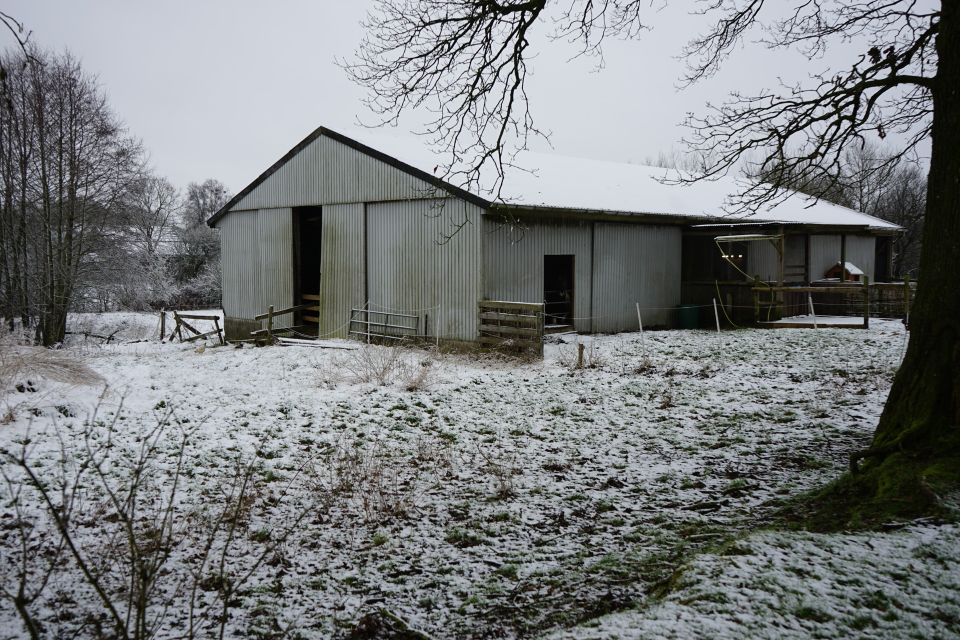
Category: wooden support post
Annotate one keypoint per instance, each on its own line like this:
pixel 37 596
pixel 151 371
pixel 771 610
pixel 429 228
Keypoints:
pixel 163 324
pixel 270 323
pixel 216 323
pixel 756 299
pixel 643 344
pixel 866 302
pixel 906 300
pixel 813 313
pixel 179 328
pixel 579 355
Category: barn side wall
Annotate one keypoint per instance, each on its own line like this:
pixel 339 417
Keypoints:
pixel 513 262
pixel 763 260
pixel 342 267
pixel 635 264
pixel 861 251
pixel 824 253
pixel 615 267
pixel 423 258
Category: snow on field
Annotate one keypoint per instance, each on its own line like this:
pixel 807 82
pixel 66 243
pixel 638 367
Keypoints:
pixel 803 585
pixel 471 497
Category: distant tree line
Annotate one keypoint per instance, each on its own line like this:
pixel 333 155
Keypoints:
pixel 84 222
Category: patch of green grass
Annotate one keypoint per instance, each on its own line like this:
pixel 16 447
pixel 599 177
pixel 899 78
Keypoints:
pixel 463 538
pixel 813 614
pixel 508 571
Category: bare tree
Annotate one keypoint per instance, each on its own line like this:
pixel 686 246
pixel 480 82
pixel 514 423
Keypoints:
pixel 197 261
pixel 66 160
pixel 203 200
pixel 150 210
pixel 468 60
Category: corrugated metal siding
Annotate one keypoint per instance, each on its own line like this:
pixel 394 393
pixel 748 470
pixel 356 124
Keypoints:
pixel 861 251
pixel 824 253
pixel 329 172
pixel 342 267
pixel 635 264
pixel 240 263
pixel 795 258
pixel 257 262
pixel 513 262
pixel 763 260
pixel 413 270
pixel 275 242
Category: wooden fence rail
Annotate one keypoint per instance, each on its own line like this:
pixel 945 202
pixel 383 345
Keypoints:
pixel 516 326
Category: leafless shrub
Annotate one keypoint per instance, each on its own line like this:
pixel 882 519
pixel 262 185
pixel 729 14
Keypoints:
pixel 502 465
pixel 645 366
pixel 374 364
pixel 382 481
pixel 411 369
pixel 578 355
pixel 109 520
pixel 421 375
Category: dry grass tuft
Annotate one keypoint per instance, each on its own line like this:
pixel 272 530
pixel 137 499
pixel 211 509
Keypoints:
pixel 20 361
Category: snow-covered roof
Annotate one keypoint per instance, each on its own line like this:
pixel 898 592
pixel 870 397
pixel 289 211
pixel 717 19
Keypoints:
pixel 550 181
pixel 563 182
pixel 851 268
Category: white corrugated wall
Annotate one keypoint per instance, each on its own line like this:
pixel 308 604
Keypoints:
pixel 635 264
pixel 763 260
pixel 513 262
pixel 423 258
pixel 341 267
pixel 257 262
pixel 861 251
pixel 824 253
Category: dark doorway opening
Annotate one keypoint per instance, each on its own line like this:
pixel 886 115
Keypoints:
pixel 883 260
pixel 307 241
pixel 558 290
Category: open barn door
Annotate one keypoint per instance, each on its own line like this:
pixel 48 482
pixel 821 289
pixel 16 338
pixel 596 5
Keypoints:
pixel 308 240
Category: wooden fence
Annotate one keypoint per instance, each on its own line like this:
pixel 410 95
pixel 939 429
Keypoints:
pixel 512 326
pixel 877 299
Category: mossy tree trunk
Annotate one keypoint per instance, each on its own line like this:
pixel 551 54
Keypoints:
pixel 916 447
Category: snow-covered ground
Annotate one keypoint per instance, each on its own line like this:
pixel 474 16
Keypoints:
pixel 476 497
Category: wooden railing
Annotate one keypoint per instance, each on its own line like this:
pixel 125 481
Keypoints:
pixel 512 325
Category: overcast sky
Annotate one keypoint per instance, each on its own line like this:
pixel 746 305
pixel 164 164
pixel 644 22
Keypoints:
pixel 222 88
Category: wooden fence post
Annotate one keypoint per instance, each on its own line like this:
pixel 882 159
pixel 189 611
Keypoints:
pixel 756 299
pixel 270 323
pixel 216 323
pixel 866 302
pixel 906 299
pixel 163 324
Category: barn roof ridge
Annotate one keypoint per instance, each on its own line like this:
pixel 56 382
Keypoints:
pixel 358 146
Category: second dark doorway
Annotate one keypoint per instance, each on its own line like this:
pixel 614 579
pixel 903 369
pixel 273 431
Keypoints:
pixel 558 289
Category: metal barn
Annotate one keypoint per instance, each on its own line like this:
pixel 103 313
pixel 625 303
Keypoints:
pixel 343 228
